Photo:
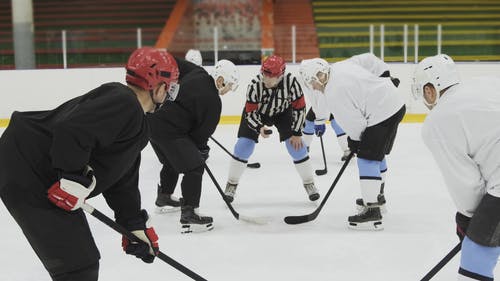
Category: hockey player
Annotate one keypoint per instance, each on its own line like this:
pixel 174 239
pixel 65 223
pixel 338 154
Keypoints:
pixel 462 132
pixel 318 112
pixel 363 99
pixel 194 56
pixel 274 97
pixel 180 131
pixel 51 161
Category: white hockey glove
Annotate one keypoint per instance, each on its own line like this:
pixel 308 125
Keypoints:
pixel 70 192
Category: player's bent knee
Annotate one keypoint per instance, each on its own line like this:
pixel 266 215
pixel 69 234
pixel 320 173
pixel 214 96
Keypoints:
pixel 89 273
pixel 477 261
pixel 244 148
pixel 296 154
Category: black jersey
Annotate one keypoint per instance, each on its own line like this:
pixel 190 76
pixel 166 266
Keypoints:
pixel 195 112
pixel 104 129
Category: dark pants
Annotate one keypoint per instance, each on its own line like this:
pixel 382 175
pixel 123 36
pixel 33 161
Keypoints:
pixel 62 240
pixel 377 140
pixel 181 156
pixel 282 121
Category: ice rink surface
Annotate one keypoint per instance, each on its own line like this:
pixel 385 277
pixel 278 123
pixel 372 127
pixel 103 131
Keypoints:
pixel 419 226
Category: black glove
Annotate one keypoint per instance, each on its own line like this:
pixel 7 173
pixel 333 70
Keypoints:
pixel 205 152
pixel 387 74
pixel 353 145
pixel 462 225
pixel 148 248
pixel 395 81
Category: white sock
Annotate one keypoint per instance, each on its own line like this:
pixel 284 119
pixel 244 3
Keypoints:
pixel 383 175
pixel 369 190
pixel 236 169
pixel 305 171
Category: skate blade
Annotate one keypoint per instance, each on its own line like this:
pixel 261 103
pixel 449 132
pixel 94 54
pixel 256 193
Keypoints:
pixel 196 228
pixel 370 225
pixel 166 209
pixel 360 208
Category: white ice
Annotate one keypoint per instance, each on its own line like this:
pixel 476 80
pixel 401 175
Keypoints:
pixel 419 226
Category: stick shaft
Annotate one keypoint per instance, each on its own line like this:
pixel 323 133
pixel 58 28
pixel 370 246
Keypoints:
pixel 442 263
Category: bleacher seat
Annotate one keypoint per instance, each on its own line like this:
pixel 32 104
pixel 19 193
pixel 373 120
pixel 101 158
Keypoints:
pixel 470 28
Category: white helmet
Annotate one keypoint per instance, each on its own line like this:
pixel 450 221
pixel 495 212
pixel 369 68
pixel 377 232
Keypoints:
pixel 310 68
pixel 194 56
pixel 229 72
pixel 440 71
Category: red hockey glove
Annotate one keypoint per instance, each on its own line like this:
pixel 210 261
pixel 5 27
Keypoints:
pixel 70 192
pixel 140 227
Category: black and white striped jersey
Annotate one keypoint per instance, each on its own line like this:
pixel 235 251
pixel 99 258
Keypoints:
pixel 270 102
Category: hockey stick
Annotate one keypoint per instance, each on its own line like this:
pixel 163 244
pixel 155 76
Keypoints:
pixel 235 214
pixel 442 263
pixel 249 165
pixel 325 170
pixel 122 230
pixel 313 215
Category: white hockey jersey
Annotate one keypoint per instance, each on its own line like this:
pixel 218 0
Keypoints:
pixel 359 98
pixel 463 134
pixel 317 101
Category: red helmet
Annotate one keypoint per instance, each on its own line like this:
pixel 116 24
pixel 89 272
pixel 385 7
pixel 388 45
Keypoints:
pixel 273 66
pixel 147 67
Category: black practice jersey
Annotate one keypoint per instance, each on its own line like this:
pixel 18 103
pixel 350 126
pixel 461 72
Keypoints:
pixel 195 112
pixel 104 129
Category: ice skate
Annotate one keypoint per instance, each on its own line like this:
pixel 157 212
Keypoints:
pixel 369 219
pixel 230 191
pixel 191 221
pixel 311 191
pixel 166 203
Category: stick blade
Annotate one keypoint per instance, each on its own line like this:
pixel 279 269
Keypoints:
pixel 321 172
pixel 298 219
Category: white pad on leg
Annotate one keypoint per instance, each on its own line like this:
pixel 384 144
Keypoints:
pixel 305 171
pixel 236 169
pixel 370 189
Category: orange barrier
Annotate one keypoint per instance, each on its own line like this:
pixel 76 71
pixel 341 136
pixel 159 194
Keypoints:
pixel 168 32
pixel 266 24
